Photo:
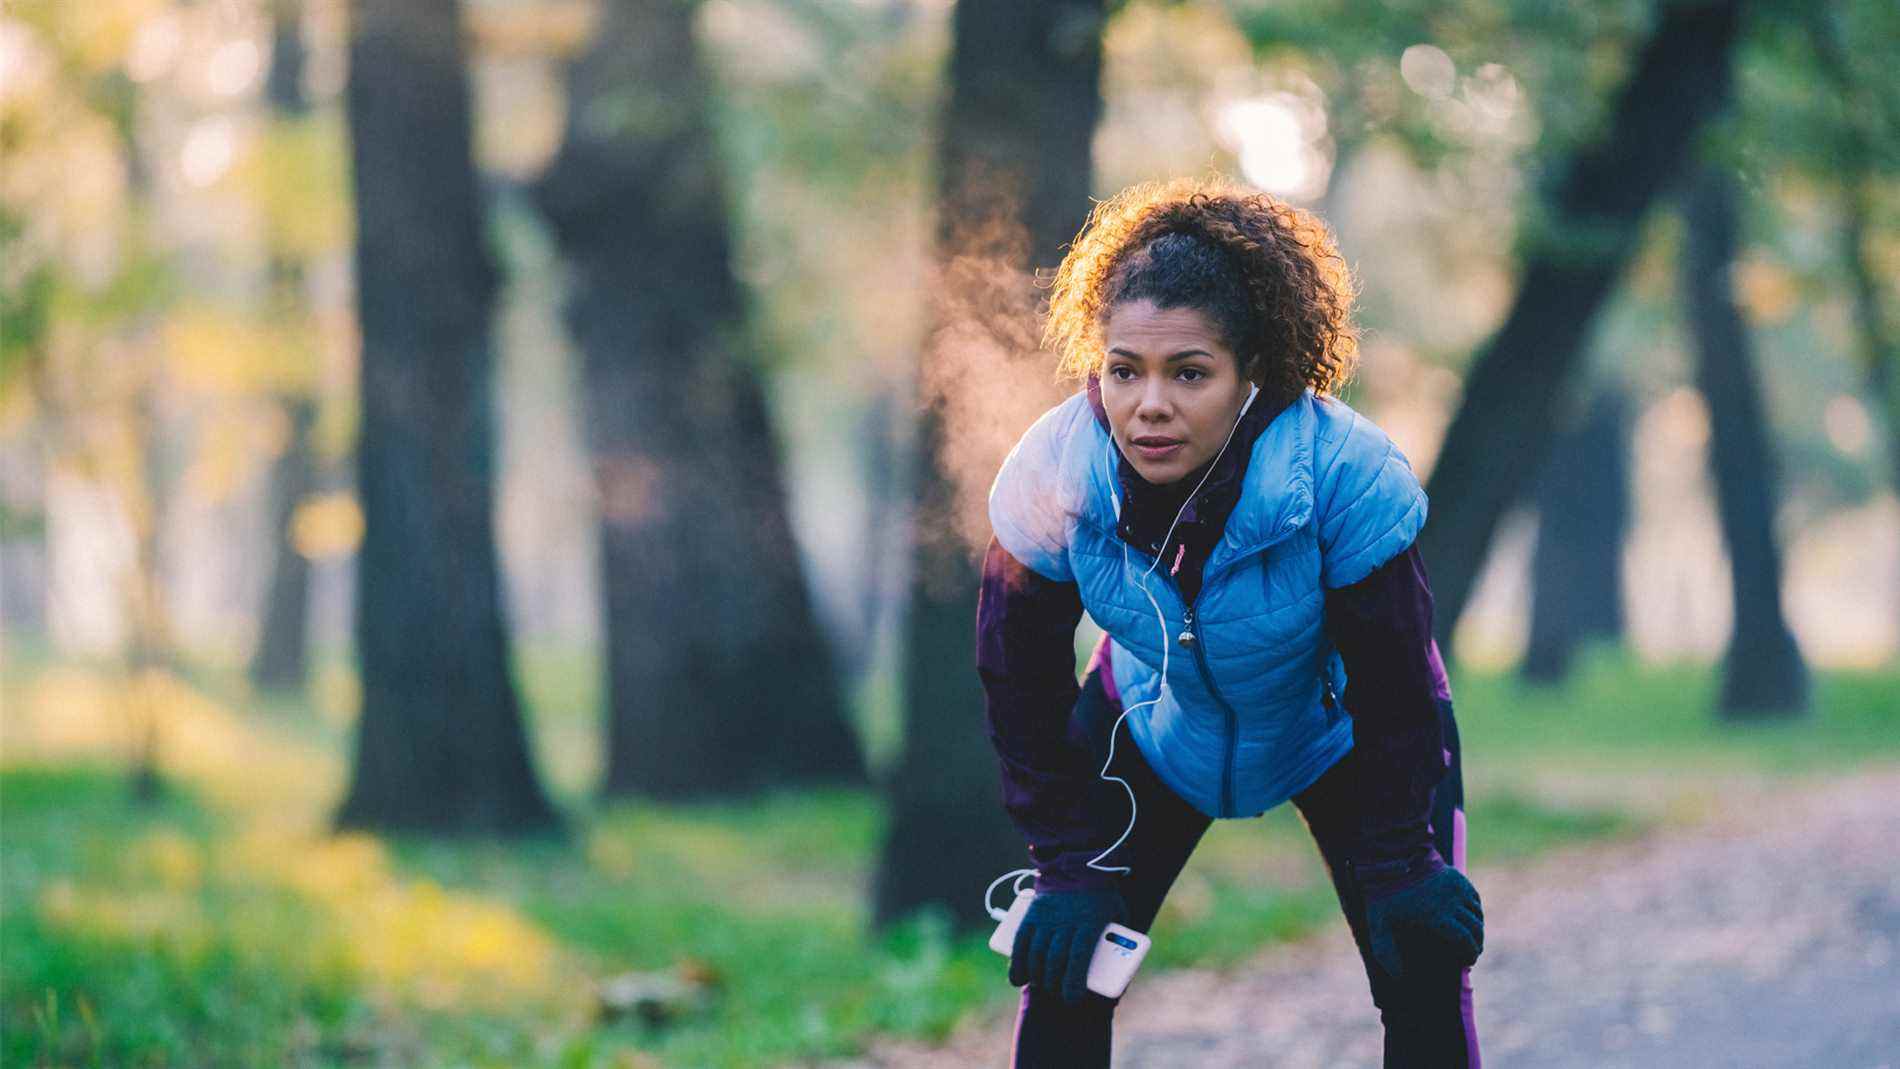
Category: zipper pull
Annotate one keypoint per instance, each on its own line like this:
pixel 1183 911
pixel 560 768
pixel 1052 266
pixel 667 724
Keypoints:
pixel 1186 637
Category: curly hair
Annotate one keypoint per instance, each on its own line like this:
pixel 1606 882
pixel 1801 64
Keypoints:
pixel 1265 272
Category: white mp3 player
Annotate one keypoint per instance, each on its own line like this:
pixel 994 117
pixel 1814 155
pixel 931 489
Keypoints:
pixel 1117 954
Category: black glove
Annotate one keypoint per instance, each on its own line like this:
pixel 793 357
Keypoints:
pixel 1438 918
pixel 1057 938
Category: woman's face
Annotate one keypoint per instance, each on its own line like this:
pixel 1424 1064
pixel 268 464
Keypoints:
pixel 1172 388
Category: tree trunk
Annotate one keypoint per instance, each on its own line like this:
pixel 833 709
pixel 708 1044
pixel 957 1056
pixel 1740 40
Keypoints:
pixel 149 648
pixel 884 538
pixel 1502 432
pixel 149 651
pixel 284 85
pixel 1025 95
pixel 1583 510
pixel 439 745
pixel 280 660
pixel 720 680
pixel 25 541
pixel 1856 166
pixel 1763 674
pixel 1879 350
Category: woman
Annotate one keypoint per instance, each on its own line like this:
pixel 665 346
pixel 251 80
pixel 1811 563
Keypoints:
pixel 1246 541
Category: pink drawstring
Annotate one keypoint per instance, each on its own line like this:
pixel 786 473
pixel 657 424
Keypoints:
pixel 1180 551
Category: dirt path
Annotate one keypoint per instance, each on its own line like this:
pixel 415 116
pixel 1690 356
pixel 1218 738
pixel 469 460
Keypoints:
pixel 1767 936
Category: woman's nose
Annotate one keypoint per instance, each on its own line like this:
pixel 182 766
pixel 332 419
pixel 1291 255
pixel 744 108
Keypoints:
pixel 1154 401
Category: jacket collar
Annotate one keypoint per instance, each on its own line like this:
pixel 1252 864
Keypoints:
pixel 1268 467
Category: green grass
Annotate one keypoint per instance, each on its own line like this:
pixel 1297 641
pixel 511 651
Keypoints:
pixel 1620 716
pixel 161 935
pixel 215 977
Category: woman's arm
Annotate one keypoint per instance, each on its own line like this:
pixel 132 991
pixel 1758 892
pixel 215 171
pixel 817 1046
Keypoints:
pixel 1382 627
pixel 1025 654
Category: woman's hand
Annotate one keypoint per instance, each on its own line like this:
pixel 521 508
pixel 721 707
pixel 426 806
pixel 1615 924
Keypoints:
pixel 1439 918
pixel 1057 937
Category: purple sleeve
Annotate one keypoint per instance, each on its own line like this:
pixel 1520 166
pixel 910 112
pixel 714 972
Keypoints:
pixel 1025 655
pixel 1382 628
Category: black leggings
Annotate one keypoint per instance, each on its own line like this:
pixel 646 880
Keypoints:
pixel 1426 1013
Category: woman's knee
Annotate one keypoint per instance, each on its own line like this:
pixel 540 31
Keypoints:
pixel 1051 1032
pixel 1424 986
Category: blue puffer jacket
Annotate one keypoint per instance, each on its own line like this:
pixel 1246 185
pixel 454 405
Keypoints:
pixel 1249 716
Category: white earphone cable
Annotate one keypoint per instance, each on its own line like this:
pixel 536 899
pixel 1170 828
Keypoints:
pixel 1162 622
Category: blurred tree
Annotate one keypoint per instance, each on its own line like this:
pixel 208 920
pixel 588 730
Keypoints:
pixel 1535 71
pixel 150 652
pixel 829 107
pixel 26 297
pixel 1817 127
pixel 719 679
pixel 1861 155
pixel 1015 162
pixel 1763 673
pixel 283 81
pixel 439 745
pixel 885 544
pixel 1574 249
pixel 1583 516
pixel 23 586
pixel 145 487
pixel 84 290
pixel 280 659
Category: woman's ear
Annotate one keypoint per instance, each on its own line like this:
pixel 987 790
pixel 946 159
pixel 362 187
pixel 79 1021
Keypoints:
pixel 1248 365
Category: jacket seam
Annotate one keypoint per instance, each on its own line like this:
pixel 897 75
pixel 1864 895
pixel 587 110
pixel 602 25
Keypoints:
pixel 1375 542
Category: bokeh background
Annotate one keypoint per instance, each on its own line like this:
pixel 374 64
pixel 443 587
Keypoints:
pixel 488 488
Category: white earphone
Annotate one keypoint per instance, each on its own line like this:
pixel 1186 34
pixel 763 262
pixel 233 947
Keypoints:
pixel 1162 622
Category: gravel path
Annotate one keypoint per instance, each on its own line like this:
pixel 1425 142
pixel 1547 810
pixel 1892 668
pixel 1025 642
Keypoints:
pixel 1768 935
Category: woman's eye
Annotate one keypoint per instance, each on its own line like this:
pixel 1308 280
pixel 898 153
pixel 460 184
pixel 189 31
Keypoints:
pixel 1120 373
pixel 1197 374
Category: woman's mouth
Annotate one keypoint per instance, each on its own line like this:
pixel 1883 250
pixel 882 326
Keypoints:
pixel 1156 448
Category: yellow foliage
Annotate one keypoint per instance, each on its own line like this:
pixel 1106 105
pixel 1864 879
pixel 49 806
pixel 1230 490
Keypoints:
pixel 166 858
pixel 551 29
pixel 19 408
pixel 66 712
pixel 327 525
pixel 334 436
pixel 65 177
pixel 131 914
pixel 407 934
pixel 69 712
pixel 106 449
pixel 1765 291
pixel 349 906
pixel 218 352
pixel 97 34
pixel 233 449
pixel 295 177
pixel 337 695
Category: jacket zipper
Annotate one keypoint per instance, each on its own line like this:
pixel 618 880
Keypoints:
pixel 1189 639
pixel 1195 644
